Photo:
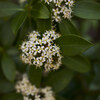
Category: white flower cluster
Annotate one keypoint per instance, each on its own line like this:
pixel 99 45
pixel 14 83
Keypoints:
pixel 62 8
pixel 30 92
pixel 41 50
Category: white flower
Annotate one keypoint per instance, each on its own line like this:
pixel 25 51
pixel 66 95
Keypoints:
pixel 41 51
pixel 61 9
pixel 28 90
pixel 57 18
pixel 48 1
pixel 66 12
pixel 37 97
pixel 56 11
pixel 70 3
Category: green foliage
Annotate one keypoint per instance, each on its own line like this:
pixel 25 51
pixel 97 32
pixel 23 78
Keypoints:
pixel 59 79
pixel 6 86
pixel 8 9
pixel 73 45
pixel 78 76
pixel 60 98
pixel 43 25
pixel 40 11
pixel 6 40
pixel 8 68
pixel 12 96
pixel 17 21
pixel 66 27
pixel 87 10
pixel 35 75
pixel 77 63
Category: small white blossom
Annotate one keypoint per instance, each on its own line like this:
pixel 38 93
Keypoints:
pixel 30 91
pixel 57 18
pixel 56 11
pixel 62 9
pixel 42 51
pixel 70 3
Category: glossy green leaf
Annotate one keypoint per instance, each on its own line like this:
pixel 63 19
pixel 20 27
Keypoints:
pixel 8 68
pixel 6 86
pixel 28 26
pixel 35 75
pixel 77 63
pixel 59 80
pixel 11 96
pixel 8 8
pixel 66 27
pixel 87 9
pixel 40 11
pixel 17 21
pixel 72 45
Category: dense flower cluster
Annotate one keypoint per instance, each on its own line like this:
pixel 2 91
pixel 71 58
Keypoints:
pixel 41 50
pixel 62 8
pixel 30 92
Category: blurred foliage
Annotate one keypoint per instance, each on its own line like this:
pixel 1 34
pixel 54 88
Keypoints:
pixel 79 76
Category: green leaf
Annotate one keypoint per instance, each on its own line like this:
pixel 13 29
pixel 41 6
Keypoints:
pixel 40 11
pixel 77 63
pixel 8 68
pixel 11 96
pixel 66 27
pixel 17 21
pixel 72 45
pixel 43 25
pixel 35 75
pixel 6 86
pixel 6 35
pixel 59 80
pixel 28 26
pixel 60 98
pixel 8 8
pixel 87 10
